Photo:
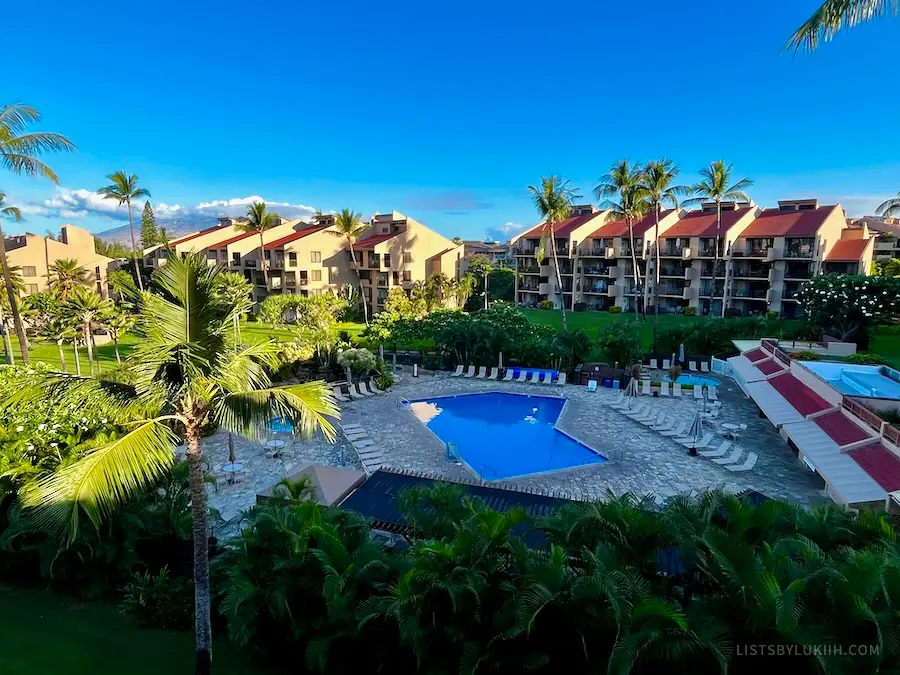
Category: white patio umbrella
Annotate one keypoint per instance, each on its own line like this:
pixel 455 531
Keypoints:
pixel 681 353
pixel 500 362
pixel 631 392
pixel 695 433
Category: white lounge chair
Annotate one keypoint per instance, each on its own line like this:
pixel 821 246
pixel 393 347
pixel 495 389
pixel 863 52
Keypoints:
pixel 338 395
pixel 495 373
pixel 748 464
pixel 653 363
pixel 361 390
pixel 679 432
pixel 692 366
pixel 645 387
pixel 562 378
pixel 704 367
pixel 482 373
pixel 689 441
pixel 548 379
pixel 732 458
pixel 533 377
pixel 374 388
pixel 658 422
pixel 718 452
pixel 667 425
pixel 676 390
pixel 664 389
pixel 459 371
pixel 618 401
pixel 646 416
pixel 666 364
pixel 523 376
pixel 698 391
pixel 711 391
pixel 509 375
pixel 353 392
pixel 638 411
pixel 470 372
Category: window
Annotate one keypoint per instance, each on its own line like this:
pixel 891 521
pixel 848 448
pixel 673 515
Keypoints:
pixel 316 275
pixel 407 257
pixel 31 288
pixel 315 256
pixel 387 259
pixel 407 275
pixel 235 258
pixel 292 259
pixel 29 271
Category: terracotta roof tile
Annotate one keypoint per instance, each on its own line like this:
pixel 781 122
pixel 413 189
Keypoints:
pixel 841 430
pixel 563 229
pixel 294 236
pixel 619 228
pixel 374 239
pixel 880 463
pixel 703 223
pixel 776 223
pixel 188 237
pixel 804 399
pixel 233 239
pixel 847 250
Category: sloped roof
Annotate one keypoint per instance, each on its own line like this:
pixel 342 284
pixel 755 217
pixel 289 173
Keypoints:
pixel 703 223
pixel 231 240
pixel 374 239
pixel 777 223
pixel 619 228
pixel 563 229
pixel 294 236
pixel 847 250
pixel 804 399
pixel 194 235
pixel 880 463
pixel 840 429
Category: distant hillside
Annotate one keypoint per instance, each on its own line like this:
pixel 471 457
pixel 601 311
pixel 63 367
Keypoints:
pixel 174 228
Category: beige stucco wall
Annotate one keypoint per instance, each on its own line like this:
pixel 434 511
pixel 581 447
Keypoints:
pixel 333 267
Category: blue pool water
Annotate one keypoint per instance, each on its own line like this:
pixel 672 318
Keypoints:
pixel 504 435
pixel 856 380
pixel 695 380
pixel 281 424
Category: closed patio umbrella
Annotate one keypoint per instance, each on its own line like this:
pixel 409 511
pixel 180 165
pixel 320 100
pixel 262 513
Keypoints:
pixel 681 353
pixel 695 433
pixel 500 362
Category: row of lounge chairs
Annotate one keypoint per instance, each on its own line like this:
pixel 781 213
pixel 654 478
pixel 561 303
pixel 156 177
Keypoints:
pixel 692 365
pixel 670 427
pixel 356 391
pixel 677 392
pixel 370 455
pixel 524 376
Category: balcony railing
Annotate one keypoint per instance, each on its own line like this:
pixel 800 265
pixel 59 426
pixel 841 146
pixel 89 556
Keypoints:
pixel 798 253
pixel 748 273
pixel 597 271
pixel 529 269
pixel 529 287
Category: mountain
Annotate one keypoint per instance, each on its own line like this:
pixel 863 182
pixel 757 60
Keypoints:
pixel 175 227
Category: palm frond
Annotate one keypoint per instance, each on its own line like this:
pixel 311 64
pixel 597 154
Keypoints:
pixel 835 15
pixel 309 407
pixel 889 208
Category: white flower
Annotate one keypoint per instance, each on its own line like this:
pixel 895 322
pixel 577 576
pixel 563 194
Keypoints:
pixel 103 421
pixel 30 446
pixel 53 445
pixel 20 428
pixel 41 427
pixel 84 419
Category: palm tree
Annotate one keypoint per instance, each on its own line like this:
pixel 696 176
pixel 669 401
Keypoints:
pixel 889 208
pixel 553 200
pixel 58 329
pixel 482 265
pixel 259 220
pixel 124 190
pixel 18 287
pixel 237 293
pixel 659 177
pixel 350 226
pixel 715 185
pixel 188 373
pixel 117 323
pixel 86 307
pixel 835 15
pixel 65 275
pixel 622 191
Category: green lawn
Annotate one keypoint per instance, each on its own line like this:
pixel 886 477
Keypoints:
pixel 47 634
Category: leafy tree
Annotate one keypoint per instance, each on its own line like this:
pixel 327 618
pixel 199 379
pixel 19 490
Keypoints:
pixel 149 229
pixel 620 343
pixel 117 323
pixel 65 275
pixel 19 152
pixel 123 188
pixel 715 185
pixel 188 373
pixel 17 287
pixel 503 285
pixel 87 308
pixel 553 200
pixel 349 225
pixel 259 221
pixel 482 267
pixel 846 304
pixel 111 249
pixel 623 192
pixel 834 15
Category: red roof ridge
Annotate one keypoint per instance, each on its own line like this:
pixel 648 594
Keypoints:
pixel 294 236
pixel 231 240
pixel 847 250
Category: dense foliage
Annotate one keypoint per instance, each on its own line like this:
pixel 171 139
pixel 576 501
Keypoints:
pixel 302 311
pixel 846 305
pixel 715 335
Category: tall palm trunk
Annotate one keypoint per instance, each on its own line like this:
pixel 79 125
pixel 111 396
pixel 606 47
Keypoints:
pixel 13 304
pixel 262 261
pixel 634 267
pixel 137 269
pixel 202 623
pixel 7 343
pixel 715 274
pixel 86 329
pixel 77 358
pixel 656 282
pixel 359 278
pixel 486 275
pixel 116 349
pixel 562 298
pixel 62 356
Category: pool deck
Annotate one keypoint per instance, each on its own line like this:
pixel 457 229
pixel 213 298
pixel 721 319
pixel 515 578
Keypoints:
pixel 640 460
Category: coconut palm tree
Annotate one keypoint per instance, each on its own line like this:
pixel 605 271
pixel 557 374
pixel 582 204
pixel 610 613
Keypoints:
pixel 715 185
pixel 188 373
pixel 87 308
pixel 258 221
pixel 65 275
pixel 58 329
pixel 622 191
pixel 659 178
pixel 834 15
pixel 237 293
pixel 117 323
pixel 889 208
pixel 553 200
pixel 18 287
pixel 124 189
pixel 349 225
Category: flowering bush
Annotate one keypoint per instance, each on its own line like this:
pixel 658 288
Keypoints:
pixel 358 360
pixel 845 304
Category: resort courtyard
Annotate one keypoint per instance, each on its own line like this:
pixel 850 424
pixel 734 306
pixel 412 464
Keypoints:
pixel 639 459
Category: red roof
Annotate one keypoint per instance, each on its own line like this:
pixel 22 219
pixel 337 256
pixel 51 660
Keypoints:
pixel 369 242
pixel 841 429
pixel 770 367
pixel 756 355
pixel 848 250
pixel 880 463
pixel 294 236
pixel 776 223
pixel 619 228
pixel 188 237
pixel 703 223
pixel 563 229
pixel 231 240
pixel 804 399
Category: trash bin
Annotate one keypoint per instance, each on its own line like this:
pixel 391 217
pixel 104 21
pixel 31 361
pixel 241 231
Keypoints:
pixel 615 384
pixel 607 383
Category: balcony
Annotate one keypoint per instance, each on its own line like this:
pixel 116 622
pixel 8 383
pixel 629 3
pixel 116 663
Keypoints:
pixel 708 252
pixel 773 295
pixel 798 271
pixel 750 293
pixel 533 288
pixel 800 248
pixel 250 264
pixel 689 293
pixel 757 252
pixel 671 251
pixel 277 264
pixel 671 272
pixel 750 273
pixel 671 289
pixel 799 253
pixel 686 253
pixel 275 283
pixel 691 273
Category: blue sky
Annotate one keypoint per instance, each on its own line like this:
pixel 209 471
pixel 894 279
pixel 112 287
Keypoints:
pixel 444 111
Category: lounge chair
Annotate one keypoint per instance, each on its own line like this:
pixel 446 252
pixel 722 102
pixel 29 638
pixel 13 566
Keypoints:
pixel 646 416
pixel 676 390
pixel 562 378
pixel 523 376
pixel 698 391
pixel 470 372
pixel 618 401
pixel 692 366
pixel 338 395
pixel 666 364
pixel 653 364
pixel 645 387
pixel 704 367
pixel 592 386
pixel 711 391
pixel 353 391
pixel 667 425
pixel 495 373
pixel 732 458
pixel 748 464
pixel 361 390
pixel 374 388
pixel 509 375
pixel 548 379
pixel 718 452
pixel 658 422
pixel 679 432
pixel 482 373
pixel 638 411
pixel 664 389
pixel 459 371
pixel 689 441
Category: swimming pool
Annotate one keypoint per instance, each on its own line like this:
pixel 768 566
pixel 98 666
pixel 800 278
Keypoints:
pixel 856 380
pixel 502 435
pixel 695 380
pixel 281 425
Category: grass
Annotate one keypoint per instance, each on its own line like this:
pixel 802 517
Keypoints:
pixel 47 634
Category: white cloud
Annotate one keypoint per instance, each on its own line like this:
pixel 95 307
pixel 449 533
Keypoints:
pixel 504 232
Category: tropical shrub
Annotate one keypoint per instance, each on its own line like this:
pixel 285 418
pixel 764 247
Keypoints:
pixel 297 350
pixel 615 309
pixel 865 359
pixel 772 314
pixel 159 601
pixel 620 343
pixel 579 307
pixel 690 311
pixel 545 304
pixel 805 355
pixel 845 305
pixel 307 312
pixel 358 359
